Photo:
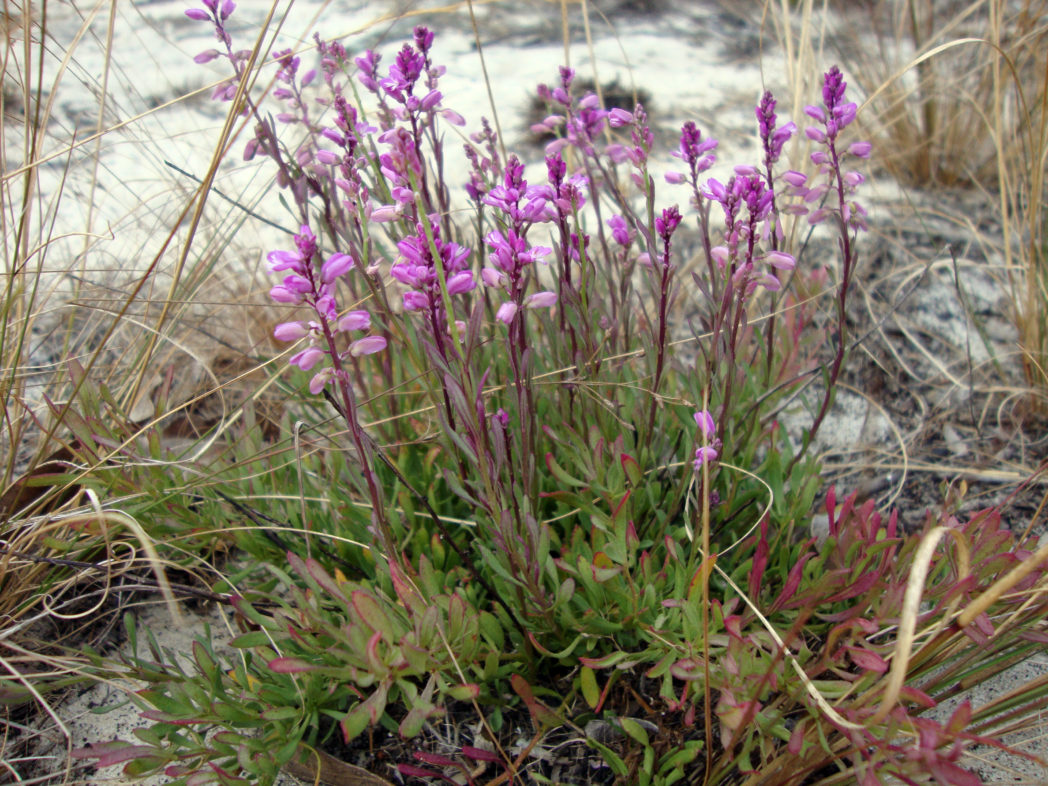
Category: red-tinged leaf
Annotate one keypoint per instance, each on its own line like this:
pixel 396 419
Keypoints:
pixel 606 662
pixel 405 591
pixel 687 669
pixel 1034 635
pixel 417 716
pixel 324 579
pixel 918 697
pixel 701 575
pixel 113 752
pixel 855 588
pixel 422 772
pixel 982 622
pixel 435 758
pixel 760 560
pixel 831 505
pixel 372 614
pixel 793 581
pixel 464 692
pixel 976 635
pixel 865 659
pixel 291 666
pixel 375 704
pixel 951 774
pixel 621 507
pixel 845 514
pixel 733 626
pixel 632 538
pixel 632 469
pixel 479 755
pixel 960 718
pixel 893 524
pixel 796 744
pixel 541 716
pixel 375 661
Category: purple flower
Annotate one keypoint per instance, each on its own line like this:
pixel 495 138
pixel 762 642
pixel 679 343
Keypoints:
pixel 417 268
pixel 308 285
pixel 709 451
pixel 541 300
pixel 617 118
pixel 695 151
pixel 367 65
pixel 423 38
pixel 667 223
pixel 704 420
pixel 620 231
pixel 780 260
pixel 704 455
pixel 860 149
pixel 368 345
pixel 772 138
pixel 355 320
pixel 307 358
pixel 506 312
pixel 336 266
pixel 290 331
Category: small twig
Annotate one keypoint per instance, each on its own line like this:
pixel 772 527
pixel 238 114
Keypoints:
pixel 236 203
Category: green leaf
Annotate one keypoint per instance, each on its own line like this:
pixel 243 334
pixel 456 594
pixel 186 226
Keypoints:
pixel 465 692
pixel 589 687
pixel 618 766
pixel 635 730
pixel 372 614
pixel 254 638
pixel 280 713
pixel 561 474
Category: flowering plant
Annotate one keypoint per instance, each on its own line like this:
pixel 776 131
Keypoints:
pixel 565 458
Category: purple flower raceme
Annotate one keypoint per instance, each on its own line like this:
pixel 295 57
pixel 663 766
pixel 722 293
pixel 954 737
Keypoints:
pixel 307 283
pixel 411 82
pixel 217 13
pixel 747 203
pixel 772 138
pixel 694 151
pixel 511 253
pixel 417 268
pixel 833 117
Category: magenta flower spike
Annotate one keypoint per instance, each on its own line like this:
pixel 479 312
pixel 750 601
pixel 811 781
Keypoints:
pixel 313 285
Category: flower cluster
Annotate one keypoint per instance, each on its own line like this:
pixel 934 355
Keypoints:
pixel 522 205
pixel 772 138
pixel 694 151
pixel 833 117
pixel 217 13
pixel 309 284
pixel 583 121
pixel 403 79
pixel 709 449
pixel 743 228
pixel 417 268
